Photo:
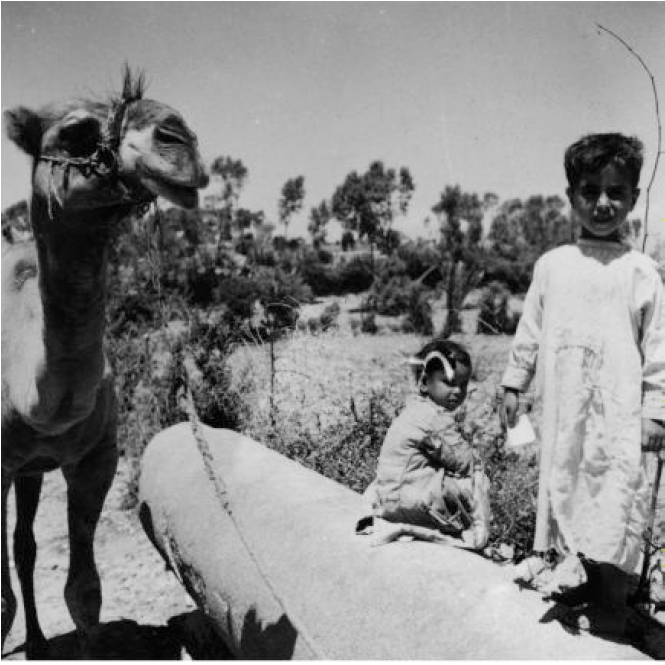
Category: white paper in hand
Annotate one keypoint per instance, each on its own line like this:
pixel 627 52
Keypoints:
pixel 522 434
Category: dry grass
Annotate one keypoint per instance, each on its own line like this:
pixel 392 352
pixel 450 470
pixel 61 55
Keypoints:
pixel 319 377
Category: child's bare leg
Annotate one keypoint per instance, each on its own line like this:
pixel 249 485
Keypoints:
pixel 451 507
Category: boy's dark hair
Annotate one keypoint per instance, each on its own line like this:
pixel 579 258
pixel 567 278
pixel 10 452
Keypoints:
pixel 454 353
pixel 594 152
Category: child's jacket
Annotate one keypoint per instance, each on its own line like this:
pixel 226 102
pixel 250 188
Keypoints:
pixel 422 446
pixel 592 326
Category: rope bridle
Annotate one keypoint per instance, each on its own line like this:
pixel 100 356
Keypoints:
pixel 103 163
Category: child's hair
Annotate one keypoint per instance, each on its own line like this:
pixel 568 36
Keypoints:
pixel 454 353
pixel 594 152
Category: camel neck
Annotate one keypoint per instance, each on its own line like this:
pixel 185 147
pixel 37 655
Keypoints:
pixel 73 257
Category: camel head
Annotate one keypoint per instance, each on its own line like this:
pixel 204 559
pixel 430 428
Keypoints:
pixel 125 152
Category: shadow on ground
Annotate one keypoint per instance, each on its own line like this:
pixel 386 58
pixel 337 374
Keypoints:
pixel 186 635
pixel 637 629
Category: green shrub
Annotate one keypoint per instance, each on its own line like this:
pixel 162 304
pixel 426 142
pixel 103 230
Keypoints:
pixel 417 258
pixel 345 451
pixel 348 241
pixel 493 311
pixel 419 312
pixel 513 494
pixel 352 276
pixel 513 482
pixel 274 289
pixel 149 379
pixel 329 316
pixel 392 297
pixel 368 324
pixel 515 273
pixel 324 256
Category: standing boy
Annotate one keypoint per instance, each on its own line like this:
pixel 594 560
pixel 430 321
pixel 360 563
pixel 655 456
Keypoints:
pixel 592 331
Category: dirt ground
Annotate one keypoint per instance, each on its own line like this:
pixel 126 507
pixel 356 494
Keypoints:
pixel 145 612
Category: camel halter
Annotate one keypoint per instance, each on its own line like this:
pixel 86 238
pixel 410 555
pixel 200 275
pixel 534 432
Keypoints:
pixel 103 162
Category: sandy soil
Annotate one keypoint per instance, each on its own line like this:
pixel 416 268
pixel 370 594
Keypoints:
pixel 145 610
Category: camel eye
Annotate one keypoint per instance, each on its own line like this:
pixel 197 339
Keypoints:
pixel 173 132
pixel 80 136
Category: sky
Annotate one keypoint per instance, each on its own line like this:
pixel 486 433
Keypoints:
pixel 485 95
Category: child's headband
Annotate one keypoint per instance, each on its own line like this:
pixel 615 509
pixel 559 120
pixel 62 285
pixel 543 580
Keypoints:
pixel 447 368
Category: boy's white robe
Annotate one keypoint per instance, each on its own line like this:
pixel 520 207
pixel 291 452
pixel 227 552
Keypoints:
pixel 592 330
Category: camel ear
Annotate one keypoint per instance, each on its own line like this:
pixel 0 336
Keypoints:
pixel 24 128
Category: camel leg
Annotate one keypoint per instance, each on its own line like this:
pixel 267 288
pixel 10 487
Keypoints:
pixel 8 597
pixel 87 486
pixel 28 490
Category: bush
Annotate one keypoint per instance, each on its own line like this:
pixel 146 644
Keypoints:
pixel 515 274
pixel 150 378
pixel 273 288
pixel 210 345
pixel 353 276
pixel 419 312
pixel 348 241
pixel 329 316
pixel 417 258
pixel 345 451
pixel 513 481
pixel 392 297
pixel 368 324
pixel 399 295
pixel 493 312
pixel 325 256
pixel 513 495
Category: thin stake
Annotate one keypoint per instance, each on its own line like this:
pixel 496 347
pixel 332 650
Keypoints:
pixel 642 587
pixel 659 150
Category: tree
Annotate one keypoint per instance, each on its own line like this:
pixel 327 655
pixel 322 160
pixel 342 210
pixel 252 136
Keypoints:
pixel 232 174
pixel 368 203
pixel 293 194
pixel 521 231
pixel 318 219
pixel 389 241
pixel 460 217
pixel 348 241
pixel 246 219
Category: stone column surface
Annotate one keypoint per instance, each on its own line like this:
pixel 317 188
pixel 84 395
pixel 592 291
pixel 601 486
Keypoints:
pixel 284 576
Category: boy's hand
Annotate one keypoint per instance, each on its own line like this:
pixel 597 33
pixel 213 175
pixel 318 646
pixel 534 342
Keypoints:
pixel 653 436
pixel 508 409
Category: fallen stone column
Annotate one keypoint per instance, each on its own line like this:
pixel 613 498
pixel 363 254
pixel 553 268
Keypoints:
pixel 309 588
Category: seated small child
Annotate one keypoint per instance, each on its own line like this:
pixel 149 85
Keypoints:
pixel 427 474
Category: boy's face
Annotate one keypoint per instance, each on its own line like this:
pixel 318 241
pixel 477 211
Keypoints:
pixel 448 394
pixel 602 200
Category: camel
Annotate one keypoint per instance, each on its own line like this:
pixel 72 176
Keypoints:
pixel 93 164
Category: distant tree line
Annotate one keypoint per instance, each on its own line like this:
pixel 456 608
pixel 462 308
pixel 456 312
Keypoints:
pixel 480 241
